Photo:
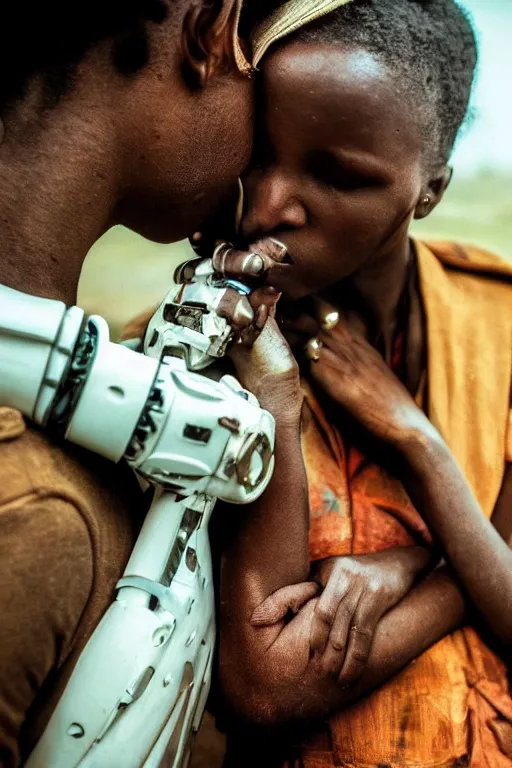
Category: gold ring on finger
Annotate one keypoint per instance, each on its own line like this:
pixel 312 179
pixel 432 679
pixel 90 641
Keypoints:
pixel 330 321
pixel 313 348
pixel 253 265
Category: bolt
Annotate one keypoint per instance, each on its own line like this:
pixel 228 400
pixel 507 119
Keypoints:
pixel 162 635
pixel 76 731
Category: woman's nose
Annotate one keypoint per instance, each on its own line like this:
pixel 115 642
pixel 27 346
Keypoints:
pixel 272 205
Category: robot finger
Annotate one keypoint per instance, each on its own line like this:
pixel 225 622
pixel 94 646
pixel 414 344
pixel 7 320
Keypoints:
pixel 186 272
pixel 252 264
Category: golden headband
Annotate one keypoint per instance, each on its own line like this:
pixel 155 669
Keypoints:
pixel 290 17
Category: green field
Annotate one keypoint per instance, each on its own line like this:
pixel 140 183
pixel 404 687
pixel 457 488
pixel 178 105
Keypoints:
pixel 476 210
pixel 125 274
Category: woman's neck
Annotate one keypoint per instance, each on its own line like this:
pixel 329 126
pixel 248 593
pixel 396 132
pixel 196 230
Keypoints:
pixel 376 295
pixel 57 194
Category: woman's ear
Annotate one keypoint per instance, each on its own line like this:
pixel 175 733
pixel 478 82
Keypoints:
pixel 432 195
pixel 208 36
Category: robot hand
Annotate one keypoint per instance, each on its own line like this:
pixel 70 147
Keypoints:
pixel 139 688
pixel 192 321
pixel 188 324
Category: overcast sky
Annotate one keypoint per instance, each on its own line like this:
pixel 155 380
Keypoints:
pixel 487 141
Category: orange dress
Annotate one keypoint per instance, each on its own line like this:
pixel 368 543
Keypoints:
pixel 452 706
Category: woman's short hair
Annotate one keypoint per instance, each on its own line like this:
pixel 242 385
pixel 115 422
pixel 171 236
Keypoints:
pixel 429 45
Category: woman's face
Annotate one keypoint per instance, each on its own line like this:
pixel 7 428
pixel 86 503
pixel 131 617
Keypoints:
pixel 336 172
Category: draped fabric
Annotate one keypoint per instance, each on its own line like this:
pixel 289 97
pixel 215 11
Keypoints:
pixel 452 706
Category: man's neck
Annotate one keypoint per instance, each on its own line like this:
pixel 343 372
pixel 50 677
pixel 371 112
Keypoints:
pixel 57 195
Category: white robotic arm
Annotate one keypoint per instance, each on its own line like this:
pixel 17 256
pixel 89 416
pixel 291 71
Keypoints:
pixel 178 429
pixel 139 689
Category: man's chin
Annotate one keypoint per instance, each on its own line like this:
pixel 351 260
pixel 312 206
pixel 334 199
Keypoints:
pixel 163 232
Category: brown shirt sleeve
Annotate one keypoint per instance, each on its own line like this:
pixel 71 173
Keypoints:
pixel 46 575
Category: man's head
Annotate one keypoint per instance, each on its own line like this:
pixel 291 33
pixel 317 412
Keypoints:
pixel 360 111
pixel 159 76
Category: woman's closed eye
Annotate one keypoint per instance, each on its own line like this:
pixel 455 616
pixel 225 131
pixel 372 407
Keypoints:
pixel 342 176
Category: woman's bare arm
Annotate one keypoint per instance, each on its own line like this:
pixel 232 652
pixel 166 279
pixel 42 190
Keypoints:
pixel 473 546
pixel 269 677
pixel 354 375
pixel 267 672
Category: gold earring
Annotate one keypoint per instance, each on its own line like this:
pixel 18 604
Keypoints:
pixel 426 200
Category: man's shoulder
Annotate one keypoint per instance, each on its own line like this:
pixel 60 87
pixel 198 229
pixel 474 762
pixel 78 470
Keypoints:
pixel 33 467
pixel 68 522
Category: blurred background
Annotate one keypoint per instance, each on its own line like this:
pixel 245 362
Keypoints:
pixel 125 274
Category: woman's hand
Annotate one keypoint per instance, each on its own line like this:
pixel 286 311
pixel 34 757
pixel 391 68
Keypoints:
pixel 246 314
pixel 357 592
pixel 355 376
pixel 268 369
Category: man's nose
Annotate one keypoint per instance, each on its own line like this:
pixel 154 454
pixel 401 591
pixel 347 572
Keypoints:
pixel 273 204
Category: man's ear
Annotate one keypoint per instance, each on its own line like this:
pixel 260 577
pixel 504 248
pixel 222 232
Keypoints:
pixel 207 39
pixel 432 195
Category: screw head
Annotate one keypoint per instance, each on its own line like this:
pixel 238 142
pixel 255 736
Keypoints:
pixel 76 731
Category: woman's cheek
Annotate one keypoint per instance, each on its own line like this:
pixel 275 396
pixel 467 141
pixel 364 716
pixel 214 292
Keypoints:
pixel 368 223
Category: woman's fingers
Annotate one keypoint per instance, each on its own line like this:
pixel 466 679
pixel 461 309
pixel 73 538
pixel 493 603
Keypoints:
pixel 237 310
pixel 244 265
pixel 326 610
pixel 266 296
pixel 278 605
pixel 247 315
pixel 240 265
pixel 360 640
pixel 227 262
pixel 270 248
pixel 335 652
